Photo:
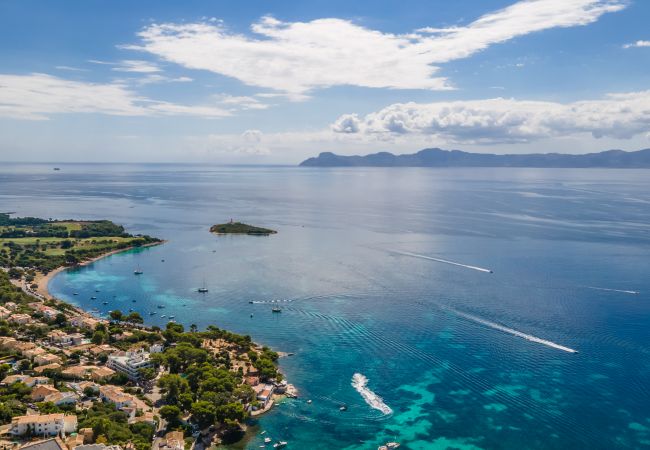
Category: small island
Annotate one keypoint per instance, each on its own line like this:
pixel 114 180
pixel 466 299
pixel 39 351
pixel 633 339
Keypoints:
pixel 240 228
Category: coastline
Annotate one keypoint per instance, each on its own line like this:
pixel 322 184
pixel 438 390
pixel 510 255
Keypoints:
pixel 43 280
pixel 42 293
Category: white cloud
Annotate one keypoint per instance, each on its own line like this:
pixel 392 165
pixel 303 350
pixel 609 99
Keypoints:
pixel 637 44
pixel 38 96
pixel 157 78
pixel 138 66
pixel 71 69
pixel 502 120
pixel 296 57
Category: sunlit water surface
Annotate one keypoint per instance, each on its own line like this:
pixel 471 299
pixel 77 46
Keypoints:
pixel 356 268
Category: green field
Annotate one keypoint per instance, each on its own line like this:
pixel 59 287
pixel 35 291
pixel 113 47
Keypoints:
pixel 43 245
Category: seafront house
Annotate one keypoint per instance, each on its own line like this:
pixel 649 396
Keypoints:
pixel 43 424
pixel 130 363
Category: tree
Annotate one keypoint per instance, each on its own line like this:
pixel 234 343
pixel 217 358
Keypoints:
pixel 172 414
pixel 203 413
pixel 116 314
pixel 98 337
pixel 173 386
pixel 60 320
pixel 147 373
pixel 90 392
pixel 134 317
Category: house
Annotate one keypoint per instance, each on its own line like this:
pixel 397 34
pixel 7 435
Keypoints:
pixel 61 398
pixel 104 348
pixel 146 417
pixel 116 395
pixel 75 372
pixel 156 348
pixel 47 444
pixel 47 311
pixel 130 363
pixel 174 440
pixel 252 380
pixel 43 424
pixel 265 393
pixel 19 318
pixel 46 358
pixel 36 381
pixel 34 352
pixel 101 373
pixel 26 379
pixel 63 339
pixel 83 372
pixel 55 367
pixel 11 379
pixel 81 387
pixel 84 322
pixel 40 392
pixel 14 345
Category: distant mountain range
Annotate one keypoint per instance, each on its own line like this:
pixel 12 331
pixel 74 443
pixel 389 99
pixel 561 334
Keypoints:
pixel 435 157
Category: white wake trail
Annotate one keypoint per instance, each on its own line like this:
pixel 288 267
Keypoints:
pixel 613 290
pixel 445 261
pixel 360 383
pixel 496 326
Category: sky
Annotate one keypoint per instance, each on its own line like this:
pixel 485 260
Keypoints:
pixel 261 82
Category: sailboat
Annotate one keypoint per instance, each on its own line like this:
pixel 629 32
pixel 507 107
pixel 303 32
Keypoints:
pixel 203 289
pixel 138 271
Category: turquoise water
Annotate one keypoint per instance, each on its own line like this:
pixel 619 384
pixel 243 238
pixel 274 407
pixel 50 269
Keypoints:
pixel 562 245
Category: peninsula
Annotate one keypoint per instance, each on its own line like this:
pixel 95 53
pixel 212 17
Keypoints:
pixel 240 228
pixel 114 381
pixel 436 157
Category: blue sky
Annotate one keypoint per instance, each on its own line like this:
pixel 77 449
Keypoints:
pixel 276 82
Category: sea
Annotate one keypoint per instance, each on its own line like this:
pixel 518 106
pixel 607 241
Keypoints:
pixel 453 308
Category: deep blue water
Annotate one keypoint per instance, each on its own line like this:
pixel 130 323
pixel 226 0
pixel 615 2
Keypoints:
pixel 418 329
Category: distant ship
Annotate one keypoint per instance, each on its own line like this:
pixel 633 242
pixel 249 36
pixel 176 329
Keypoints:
pixel 203 289
pixel 57 168
pixel 138 271
pixel 277 309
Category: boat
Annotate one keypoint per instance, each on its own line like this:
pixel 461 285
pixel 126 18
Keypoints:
pixel 132 301
pixel 96 290
pixel 57 168
pixel 162 260
pixel 152 313
pixel 138 271
pixel 203 289
pixel 93 298
pixel 104 303
pixel 161 306
pixel 171 317
pixel 276 310
pixel 343 408
pixel 251 302
pixel 389 446
pixel 130 309
pixel 280 444
pixel 76 293
pixel 267 440
pixel 163 316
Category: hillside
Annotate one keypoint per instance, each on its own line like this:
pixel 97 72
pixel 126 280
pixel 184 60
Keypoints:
pixel 435 157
